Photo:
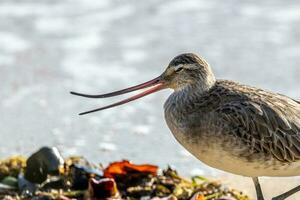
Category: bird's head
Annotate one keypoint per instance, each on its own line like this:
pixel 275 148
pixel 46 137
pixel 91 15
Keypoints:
pixel 185 70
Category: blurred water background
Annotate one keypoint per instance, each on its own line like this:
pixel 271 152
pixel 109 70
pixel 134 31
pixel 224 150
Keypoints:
pixel 48 48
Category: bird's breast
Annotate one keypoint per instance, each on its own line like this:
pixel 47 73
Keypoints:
pixel 191 128
pixel 199 138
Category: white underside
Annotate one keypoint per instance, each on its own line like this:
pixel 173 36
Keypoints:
pixel 214 156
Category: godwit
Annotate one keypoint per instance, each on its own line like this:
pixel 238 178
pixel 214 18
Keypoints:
pixel 229 126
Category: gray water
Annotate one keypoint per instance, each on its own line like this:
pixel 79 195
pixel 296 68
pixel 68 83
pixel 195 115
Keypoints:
pixel 48 48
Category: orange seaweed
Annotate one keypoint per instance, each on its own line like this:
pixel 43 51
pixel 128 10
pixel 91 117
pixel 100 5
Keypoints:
pixel 124 167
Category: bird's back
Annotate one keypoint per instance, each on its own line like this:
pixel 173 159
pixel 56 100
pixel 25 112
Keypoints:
pixel 257 125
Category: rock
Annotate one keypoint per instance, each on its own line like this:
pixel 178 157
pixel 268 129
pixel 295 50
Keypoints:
pixel 80 176
pixel 10 181
pixel 26 187
pixel 44 162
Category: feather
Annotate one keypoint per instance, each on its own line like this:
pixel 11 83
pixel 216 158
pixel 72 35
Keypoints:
pixel 267 120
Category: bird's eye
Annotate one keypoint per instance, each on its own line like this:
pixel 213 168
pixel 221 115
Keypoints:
pixel 178 69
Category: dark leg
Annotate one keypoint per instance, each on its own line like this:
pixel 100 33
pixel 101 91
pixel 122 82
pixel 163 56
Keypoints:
pixel 259 193
pixel 287 194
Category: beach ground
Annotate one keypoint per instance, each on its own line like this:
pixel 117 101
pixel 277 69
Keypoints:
pixel 270 186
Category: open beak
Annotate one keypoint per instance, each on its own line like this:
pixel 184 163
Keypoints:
pixel 155 85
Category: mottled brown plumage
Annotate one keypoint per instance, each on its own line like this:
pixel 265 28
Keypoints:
pixel 225 124
pixel 265 121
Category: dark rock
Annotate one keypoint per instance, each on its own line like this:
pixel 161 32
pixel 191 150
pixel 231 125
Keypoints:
pixel 44 162
pixel 26 187
pixel 80 176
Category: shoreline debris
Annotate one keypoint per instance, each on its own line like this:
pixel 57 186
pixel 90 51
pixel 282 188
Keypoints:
pixel 46 175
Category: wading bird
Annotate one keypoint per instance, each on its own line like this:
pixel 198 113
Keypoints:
pixel 229 126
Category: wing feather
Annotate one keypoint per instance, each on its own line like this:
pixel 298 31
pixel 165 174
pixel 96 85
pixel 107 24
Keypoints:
pixel 268 126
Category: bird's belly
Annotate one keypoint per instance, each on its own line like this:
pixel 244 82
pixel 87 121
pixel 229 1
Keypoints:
pixel 228 154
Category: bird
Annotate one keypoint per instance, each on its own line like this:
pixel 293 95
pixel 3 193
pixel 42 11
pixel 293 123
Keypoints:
pixel 227 125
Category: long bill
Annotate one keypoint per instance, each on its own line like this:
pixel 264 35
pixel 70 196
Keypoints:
pixel 155 85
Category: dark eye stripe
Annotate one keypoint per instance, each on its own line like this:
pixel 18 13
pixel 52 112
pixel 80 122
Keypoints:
pixel 178 69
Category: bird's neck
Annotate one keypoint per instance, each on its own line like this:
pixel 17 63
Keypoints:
pixel 187 96
pixel 197 88
pixel 190 92
pixel 181 103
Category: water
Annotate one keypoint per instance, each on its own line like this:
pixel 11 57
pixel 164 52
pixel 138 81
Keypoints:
pixel 48 48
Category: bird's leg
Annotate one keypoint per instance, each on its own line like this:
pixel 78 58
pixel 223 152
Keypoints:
pixel 259 193
pixel 287 194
